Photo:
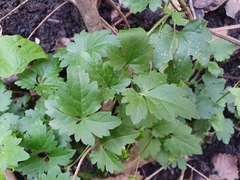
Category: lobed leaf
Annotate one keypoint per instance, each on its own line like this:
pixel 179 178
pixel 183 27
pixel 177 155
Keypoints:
pixel 78 97
pixel 218 46
pixel 135 51
pixel 118 139
pixel 236 93
pixel 168 101
pixel 227 131
pixel 45 154
pixel 181 142
pixel 136 107
pixel 16 53
pixel 56 174
pixel 139 5
pixel 105 158
pixel 5 97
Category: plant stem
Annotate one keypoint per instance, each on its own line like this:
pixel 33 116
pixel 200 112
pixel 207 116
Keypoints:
pixel 22 3
pixel 47 18
pixel 186 9
pixel 236 85
pixel 226 37
pixel 76 160
pixel 90 15
pixel 120 13
pixel 163 19
pixel 81 160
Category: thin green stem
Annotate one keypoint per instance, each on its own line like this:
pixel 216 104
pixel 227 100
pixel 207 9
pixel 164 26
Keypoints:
pixel 224 95
pixel 76 160
pixel 163 19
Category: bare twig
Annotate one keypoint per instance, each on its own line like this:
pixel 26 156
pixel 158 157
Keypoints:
pixel 225 28
pixel 120 13
pixel 22 3
pixel 186 8
pixel 226 37
pixel 90 14
pixel 230 77
pixel 0 31
pixel 120 20
pixel 9 175
pixel 181 175
pixel 47 18
pixel 81 161
pixel 108 26
pixel 154 174
pixel 198 172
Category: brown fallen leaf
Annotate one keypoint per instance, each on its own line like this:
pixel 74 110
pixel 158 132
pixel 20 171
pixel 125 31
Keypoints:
pixel 226 167
pixel 61 42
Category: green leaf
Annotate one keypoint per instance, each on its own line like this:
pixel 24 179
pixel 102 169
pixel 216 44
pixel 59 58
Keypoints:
pixel 43 76
pixel 5 97
pixel 149 81
pixel 179 46
pixel 56 174
pixel 136 107
pixel 105 158
pixel 27 79
pixel 227 131
pixel 2 177
pixel 181 142
pixel 11 153
pixel 78 97
pixel 100 123
pixel 148 147
pixel 31 116
pixel 218 46
pixel 178 70
pixel 95 44
pixel 180 162
pixel 213 86
pixel 163 128
pixel 45 154
pixel 11 120
pixel 168 101
pixel 162 158
pixel 178 19
pixel 202 126
pixel 206 107
pixel 164 47
pixel 236 93
pixel 16 53
pixel 118 139
pixel 108 80
pixel 217 122
pixel 139 5
pixel 135 51
pixel 214 69
pixel 19 104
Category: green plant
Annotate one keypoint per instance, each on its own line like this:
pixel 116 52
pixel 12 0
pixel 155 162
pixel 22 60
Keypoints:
pixel 159 89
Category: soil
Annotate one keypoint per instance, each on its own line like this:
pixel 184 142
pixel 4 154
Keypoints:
pixel 67 21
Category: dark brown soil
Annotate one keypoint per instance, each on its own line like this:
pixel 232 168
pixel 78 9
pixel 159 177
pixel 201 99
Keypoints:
pixel 67 21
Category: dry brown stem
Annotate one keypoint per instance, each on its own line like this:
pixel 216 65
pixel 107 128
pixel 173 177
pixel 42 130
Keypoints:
pixel 90 15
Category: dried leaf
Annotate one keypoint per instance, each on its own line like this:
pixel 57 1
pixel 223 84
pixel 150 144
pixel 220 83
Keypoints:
pixel 226 167
pixel 232 7
pixel 61 42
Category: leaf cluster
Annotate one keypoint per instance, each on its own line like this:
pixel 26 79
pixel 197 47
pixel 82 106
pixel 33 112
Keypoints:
pixel 162 93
